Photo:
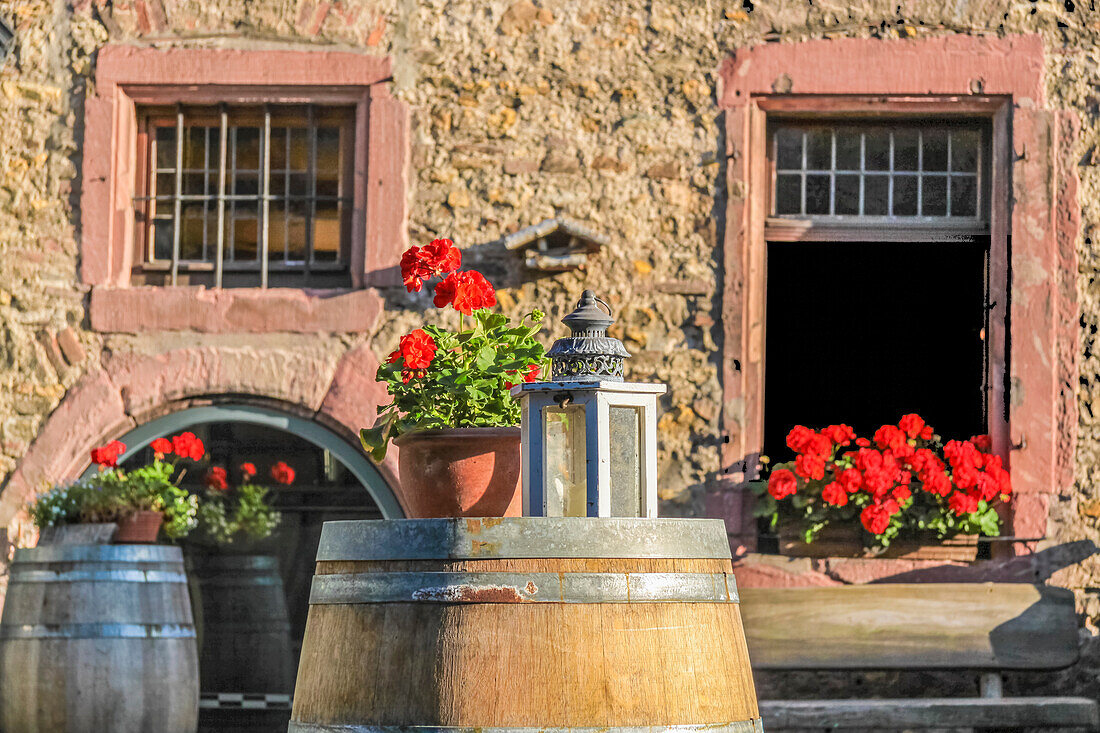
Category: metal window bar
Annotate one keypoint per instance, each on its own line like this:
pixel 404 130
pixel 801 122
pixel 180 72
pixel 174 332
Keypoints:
pixel 265 175
pixel 177 202
pixel 223 132
pixel 311 209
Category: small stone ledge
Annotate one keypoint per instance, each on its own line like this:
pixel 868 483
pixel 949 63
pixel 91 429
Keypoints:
pixel 251 310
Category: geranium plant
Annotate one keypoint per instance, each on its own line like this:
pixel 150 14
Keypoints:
pixel 452 379
pixel 114 493
pixel 230 515
pixel 903 481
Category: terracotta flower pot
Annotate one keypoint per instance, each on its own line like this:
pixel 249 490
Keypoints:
pixel 463 472
pixel 140 528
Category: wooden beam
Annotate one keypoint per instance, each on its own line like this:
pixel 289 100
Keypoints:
pixel 911 626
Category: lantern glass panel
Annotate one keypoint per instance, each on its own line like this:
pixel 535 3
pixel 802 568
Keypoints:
pixel 564 465
pixel 625 437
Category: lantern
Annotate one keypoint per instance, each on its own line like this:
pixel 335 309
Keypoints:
pixel 589 439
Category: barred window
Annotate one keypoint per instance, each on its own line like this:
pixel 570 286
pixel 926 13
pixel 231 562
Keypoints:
pixel 878 173
pixel 254 195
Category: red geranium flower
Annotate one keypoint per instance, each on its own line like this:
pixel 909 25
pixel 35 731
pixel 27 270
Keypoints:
pixel 840 434
pixel 835 494
pixel 850 479
pixel 798 437
pixel 417 349
pixel 875 518
pixel 282 473
pixel 466 292
pixel 186 445
pixel 913 425
pixel 962 502
pixel 161 446
pixel 216 479
pixel 982 442
pixel 248 470
pixel 781 484
pixel 420 263
pixel 107 455
pixel 809 466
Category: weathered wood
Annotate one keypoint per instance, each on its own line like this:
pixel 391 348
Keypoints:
pixel 1007 712
pixel 78 534
pixel 490 660
pixel 910 626
pixel 98 638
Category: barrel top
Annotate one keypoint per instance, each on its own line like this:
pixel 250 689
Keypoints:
pixel 99 553
pixel 522 537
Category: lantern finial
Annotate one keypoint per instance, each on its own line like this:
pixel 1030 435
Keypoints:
pixel 589 354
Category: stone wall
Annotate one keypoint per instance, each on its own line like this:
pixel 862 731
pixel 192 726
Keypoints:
pixel 603 112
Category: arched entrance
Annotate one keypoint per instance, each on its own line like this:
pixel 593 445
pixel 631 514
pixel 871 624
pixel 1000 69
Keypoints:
pixel 251 601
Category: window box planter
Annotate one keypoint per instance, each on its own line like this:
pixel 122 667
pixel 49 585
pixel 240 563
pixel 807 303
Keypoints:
pixel 849 541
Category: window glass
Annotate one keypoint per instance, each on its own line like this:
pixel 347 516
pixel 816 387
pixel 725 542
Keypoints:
pixel 876 171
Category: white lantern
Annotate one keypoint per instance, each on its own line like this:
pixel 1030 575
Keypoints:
pixel 589 439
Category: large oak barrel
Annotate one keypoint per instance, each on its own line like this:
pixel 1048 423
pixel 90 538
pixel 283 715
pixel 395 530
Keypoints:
pixel 98 638
pixel 525 623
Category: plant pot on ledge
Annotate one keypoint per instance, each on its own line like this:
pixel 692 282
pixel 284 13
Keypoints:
pixel 140 528
pixel 461 472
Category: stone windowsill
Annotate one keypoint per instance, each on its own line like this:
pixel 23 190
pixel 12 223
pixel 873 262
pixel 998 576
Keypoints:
pixel 237 310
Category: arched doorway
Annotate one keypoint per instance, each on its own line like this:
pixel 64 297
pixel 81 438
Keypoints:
pixel 253 601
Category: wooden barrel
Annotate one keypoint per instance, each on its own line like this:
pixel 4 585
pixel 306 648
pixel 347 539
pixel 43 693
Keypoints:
pixel 245 630
pixel 98 638
pixel 526 623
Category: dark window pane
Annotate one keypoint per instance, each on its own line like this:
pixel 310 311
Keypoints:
pixel 194 184
pixel 934 196
pixel 935 151
pixel 162 239
pixel 847 150
pixel 299 149
pixel 906 146
pixel 248 147
pixel 788 154
pixel 166 184
pixel 817 195
pixel 330 162
pixel 278 184
pixel 847 195
pixel 244 230
pixel 194 151
pixel 299 184
pixel 905 195
pixel 276 232
pixel 326 231
pixel 278 148
pixel 876 150
pixel 331 186
pixel 246 184
pixel 788 194
pixel 166 147
pixel 876 190
pixel 964 196
pixel 819 150
pixel 191 233
pixel 296 231
pixel 964 151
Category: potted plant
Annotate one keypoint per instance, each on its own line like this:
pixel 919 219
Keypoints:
pixel 139 501
pixel 451 414
pixel 912 494
pixel 239 516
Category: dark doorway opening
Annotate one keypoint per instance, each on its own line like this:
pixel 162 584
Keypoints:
pixel 865 332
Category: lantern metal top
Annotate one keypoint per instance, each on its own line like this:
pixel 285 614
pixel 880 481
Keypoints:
pixel 589 354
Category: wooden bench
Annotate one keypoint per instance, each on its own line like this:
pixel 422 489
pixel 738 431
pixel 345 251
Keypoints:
pixel 988 628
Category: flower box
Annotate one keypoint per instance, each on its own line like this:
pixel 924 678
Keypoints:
pixel 849 541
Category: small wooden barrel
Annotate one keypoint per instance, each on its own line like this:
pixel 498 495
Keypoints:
pixel 98 638
pixel 245 626
pixel 526 623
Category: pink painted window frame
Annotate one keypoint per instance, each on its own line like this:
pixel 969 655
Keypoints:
pixel 129 76
pixel 1034 225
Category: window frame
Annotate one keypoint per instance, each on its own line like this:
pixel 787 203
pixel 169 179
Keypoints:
pixel 150 117
pixel 127 77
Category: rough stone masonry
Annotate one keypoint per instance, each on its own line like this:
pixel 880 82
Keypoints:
pixel 604 112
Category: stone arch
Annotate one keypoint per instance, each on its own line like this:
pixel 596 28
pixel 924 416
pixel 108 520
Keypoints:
pixel 335 392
